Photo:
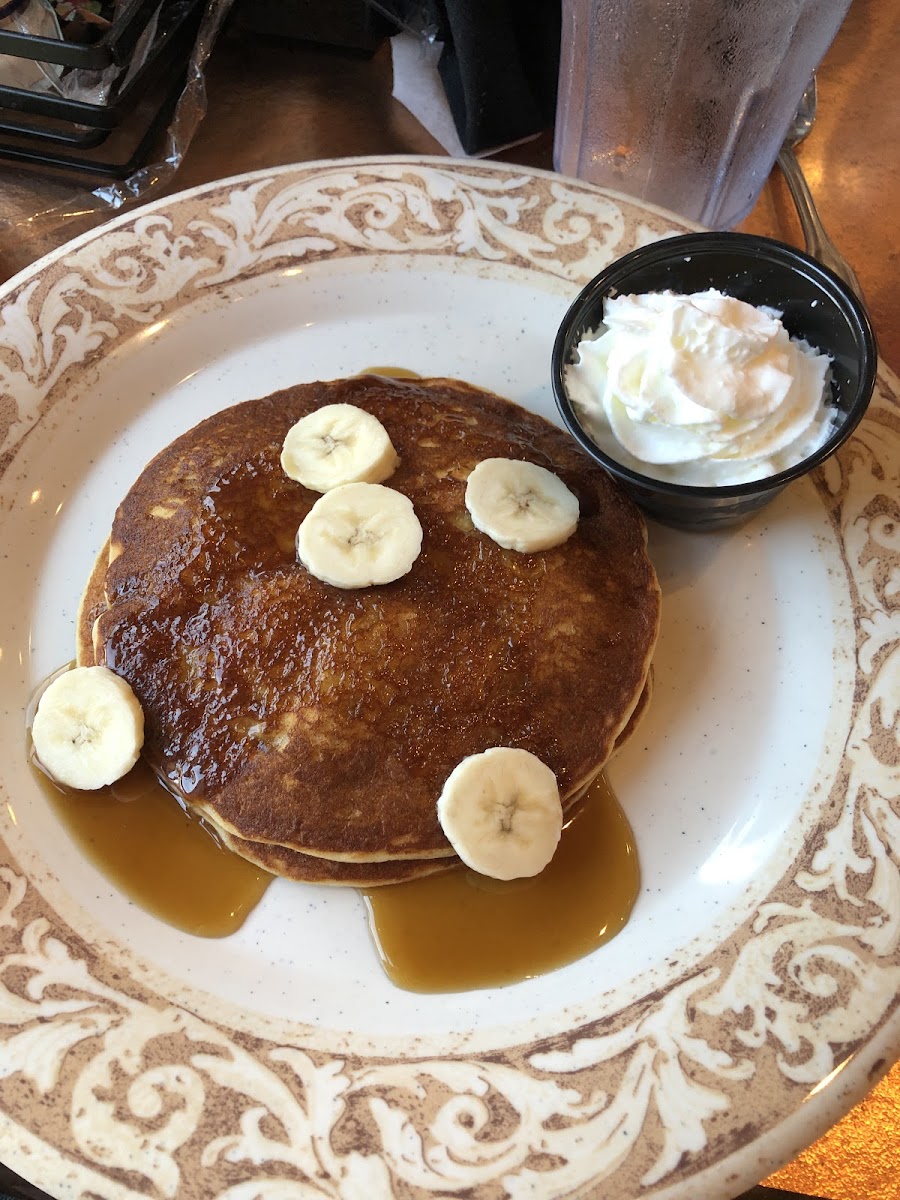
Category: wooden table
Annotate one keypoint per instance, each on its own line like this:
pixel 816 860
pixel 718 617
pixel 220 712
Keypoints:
pixel 272 103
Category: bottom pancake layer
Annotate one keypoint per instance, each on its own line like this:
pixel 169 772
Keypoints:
pixel 305 868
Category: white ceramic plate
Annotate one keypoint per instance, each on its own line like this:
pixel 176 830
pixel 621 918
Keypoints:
pixel 752 997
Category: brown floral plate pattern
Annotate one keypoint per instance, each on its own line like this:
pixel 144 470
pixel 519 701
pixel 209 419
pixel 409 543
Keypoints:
pixel 753 996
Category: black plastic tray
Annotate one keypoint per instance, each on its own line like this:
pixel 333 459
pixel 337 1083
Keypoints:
pixel 108 140
pixel 121 161
pixel 97 116
pixel 114 47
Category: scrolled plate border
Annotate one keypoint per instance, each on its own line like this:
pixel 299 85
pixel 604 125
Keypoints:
pixel 110 1090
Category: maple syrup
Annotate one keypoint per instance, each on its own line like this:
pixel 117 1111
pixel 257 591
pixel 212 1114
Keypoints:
pixel 459 930
pixel 160 856
pixel 444 933
pixel 391 372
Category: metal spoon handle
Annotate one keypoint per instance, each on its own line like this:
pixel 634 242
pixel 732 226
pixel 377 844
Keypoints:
pixel 818 243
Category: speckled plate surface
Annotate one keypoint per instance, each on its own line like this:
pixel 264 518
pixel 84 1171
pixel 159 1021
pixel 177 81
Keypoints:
pixel 751 999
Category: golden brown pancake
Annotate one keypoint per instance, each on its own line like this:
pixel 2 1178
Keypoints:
pixel 279 860
pixel 326 721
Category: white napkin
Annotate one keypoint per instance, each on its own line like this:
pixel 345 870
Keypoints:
pixel 418 87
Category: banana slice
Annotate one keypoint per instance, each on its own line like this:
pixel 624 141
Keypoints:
pixel 501 812
pixel 338 444
pixel 359 535
pixel 520 505
pixel 88 729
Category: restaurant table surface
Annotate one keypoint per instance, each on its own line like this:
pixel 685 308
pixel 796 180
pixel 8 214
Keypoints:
pixel 274 102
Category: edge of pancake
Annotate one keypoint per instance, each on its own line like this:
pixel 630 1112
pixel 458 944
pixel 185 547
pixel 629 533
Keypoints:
pixel 307 868
pixel 91 605
pixel 209 814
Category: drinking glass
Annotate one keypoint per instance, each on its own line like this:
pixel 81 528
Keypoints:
pixel 685 103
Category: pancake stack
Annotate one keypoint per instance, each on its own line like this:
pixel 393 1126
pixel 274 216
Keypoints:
pixel 313 727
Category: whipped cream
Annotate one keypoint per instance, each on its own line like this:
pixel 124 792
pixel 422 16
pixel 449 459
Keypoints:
pixel 700 389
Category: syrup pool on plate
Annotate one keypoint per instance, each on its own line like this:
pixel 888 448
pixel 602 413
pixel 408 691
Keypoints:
pixel 391 372
pixel 160 856
pixel 445 933
pixel 459 930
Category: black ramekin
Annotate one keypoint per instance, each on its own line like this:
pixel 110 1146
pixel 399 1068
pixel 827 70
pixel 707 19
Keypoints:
pixel 815 305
